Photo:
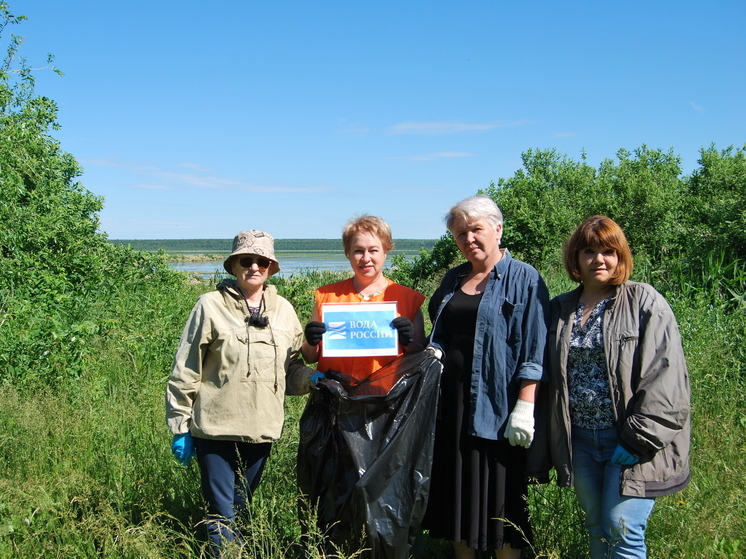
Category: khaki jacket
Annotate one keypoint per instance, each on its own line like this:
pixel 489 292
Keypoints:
pixel 649 388
pixel 229 378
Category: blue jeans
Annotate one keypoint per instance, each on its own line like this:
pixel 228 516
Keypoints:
pixel 616 524
pixel 230 472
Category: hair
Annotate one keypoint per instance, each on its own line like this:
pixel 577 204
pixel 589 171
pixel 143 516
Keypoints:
pixel 476 207
pixel 367 224
pixel 599 231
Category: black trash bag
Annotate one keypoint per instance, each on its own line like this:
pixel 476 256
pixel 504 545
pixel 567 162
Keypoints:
pixel 365 455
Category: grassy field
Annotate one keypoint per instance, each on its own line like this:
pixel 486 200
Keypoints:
pixel 86 470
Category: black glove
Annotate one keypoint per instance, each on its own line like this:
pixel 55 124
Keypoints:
pixel 314 332
pixel 405 328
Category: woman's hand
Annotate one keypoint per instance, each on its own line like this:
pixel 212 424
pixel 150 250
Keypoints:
pixel 404 328
pixel 183 448
pixel 624 457
pixel 316 377
pixel 520 429
pixel 314 332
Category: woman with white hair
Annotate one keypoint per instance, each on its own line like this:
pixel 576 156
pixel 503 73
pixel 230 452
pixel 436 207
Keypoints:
pixel 489 318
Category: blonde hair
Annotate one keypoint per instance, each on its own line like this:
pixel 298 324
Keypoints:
pixel 367 224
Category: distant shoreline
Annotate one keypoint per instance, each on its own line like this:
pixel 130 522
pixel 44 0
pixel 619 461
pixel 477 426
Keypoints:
pixel 223 246
pixel 207 250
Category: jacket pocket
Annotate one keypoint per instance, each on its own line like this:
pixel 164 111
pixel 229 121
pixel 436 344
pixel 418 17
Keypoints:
pixel 226 357
pixel 262 356
pixel 512 322
pixel 627 361
pixel 627 348
pixel 512 313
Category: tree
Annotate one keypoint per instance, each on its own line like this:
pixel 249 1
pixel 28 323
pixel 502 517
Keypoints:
pixel 47 216
pixel 55 264
pixel 424 270
pixel 643 191
pixel 543 202
pixel 715 214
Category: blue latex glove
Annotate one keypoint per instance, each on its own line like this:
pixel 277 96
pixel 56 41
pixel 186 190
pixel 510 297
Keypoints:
pixel 183 448
pixel 624 457
pixel 316 377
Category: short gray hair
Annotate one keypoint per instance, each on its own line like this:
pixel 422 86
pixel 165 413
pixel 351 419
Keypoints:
pixel 473 208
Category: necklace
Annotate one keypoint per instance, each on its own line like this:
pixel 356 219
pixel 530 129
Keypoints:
pixel 368 296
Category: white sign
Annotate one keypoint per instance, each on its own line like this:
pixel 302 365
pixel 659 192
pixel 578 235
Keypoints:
pixel 359 329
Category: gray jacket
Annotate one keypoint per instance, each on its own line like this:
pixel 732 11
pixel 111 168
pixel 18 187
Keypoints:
pixel 649 388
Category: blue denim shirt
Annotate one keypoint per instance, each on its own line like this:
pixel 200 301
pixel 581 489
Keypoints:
pixel 509 340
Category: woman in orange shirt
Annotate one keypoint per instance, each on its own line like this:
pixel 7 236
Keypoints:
pixel 367 240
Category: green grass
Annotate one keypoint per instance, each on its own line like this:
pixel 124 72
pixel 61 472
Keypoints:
pixel 86 470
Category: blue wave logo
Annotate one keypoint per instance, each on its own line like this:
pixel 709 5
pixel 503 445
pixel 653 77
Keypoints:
pixel 337 330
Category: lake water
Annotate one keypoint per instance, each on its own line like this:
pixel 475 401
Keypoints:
pixel 290 265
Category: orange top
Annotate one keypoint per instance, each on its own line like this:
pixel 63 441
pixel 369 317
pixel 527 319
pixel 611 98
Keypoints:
pixel 408 302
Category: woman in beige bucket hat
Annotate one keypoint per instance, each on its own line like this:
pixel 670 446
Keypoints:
pixel 237 358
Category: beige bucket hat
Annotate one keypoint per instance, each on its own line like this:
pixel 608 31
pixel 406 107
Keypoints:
pixel 253 242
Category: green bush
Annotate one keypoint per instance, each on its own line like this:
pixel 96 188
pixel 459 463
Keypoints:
pixel 298 289
pixel 56 268
pixel 424 271
pixel 716 197
pixel 543 202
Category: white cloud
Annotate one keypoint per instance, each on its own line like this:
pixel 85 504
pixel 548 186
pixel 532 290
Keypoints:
pixel 432 156
pixel 697 107
pixel 181 181
pixel 355 130
pixel 148 186
pixel 200 178
pixel 196 180
pixel 117 163
pixel 440 128
pixel 195 167
pixel 449 154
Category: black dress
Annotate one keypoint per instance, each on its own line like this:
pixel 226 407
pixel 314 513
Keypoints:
pixel 476 483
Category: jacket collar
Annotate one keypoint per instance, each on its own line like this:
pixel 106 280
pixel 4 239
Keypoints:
pixel 229 287
pixel 497 271
pixel 571 298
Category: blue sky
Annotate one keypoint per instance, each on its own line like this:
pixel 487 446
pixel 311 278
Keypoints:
pixel 202 119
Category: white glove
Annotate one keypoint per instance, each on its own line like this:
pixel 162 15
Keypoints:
pixel 520 429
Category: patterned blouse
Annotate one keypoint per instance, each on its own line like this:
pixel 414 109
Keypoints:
pixel 590 399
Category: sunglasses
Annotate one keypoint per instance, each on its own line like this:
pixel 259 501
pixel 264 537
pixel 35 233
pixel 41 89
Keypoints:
pixel 249 261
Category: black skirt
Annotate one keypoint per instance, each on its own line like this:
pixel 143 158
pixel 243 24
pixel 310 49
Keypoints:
pixel 478 488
